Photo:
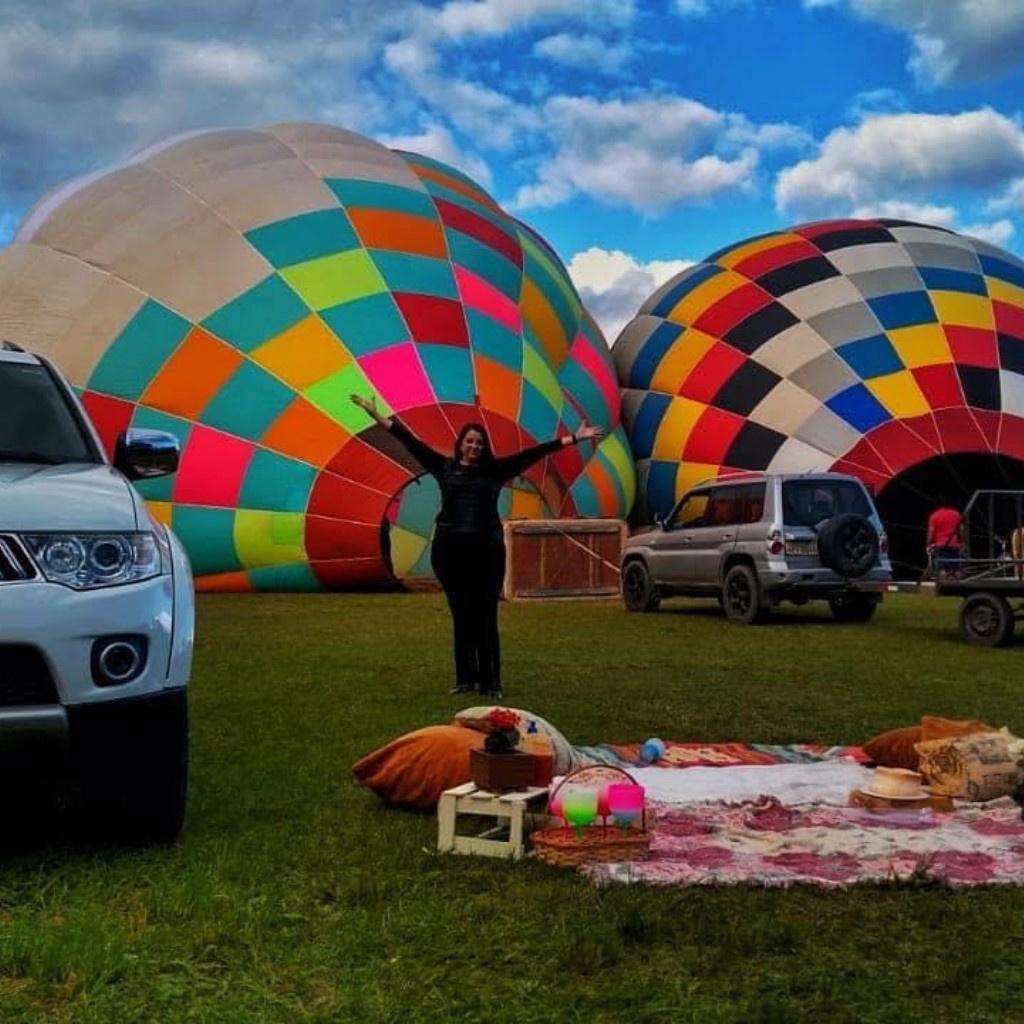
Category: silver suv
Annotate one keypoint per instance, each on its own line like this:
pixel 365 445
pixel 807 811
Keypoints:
pixel 752 540
pixel 96 609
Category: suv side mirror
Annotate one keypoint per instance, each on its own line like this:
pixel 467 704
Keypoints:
pixel 661 521
pixel 145 454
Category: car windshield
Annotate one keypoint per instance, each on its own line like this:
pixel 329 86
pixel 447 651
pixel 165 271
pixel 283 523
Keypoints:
pixel 810 502
pixel 36 422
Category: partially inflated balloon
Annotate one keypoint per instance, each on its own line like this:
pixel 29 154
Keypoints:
pixel 236 287
pixel 868 347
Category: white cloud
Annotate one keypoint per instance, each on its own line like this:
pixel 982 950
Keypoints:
pixel 458 19
pixel 493 117
pixel 703 8
pixel 873 102
pixel 437 142
pixel 484 113
pixel 909 153
pixel 998 233
pixel 647 153
pixel 1011 201
pixel 953 40
pixel 219 63
pixel 86 84
pixel 614 285
pixel 584 51
pixel 899 209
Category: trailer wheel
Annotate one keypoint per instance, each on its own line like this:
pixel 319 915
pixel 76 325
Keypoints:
pixel 986 620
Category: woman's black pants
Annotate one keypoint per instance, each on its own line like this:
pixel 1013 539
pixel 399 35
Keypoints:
pixel 471 568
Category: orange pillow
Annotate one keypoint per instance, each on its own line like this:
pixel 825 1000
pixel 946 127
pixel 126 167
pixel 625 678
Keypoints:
pixel 935 728
pixel 417 768
pixel 895 749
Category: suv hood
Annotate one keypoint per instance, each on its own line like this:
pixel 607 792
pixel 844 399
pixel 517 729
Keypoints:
pixel 644 537
pixel 76 496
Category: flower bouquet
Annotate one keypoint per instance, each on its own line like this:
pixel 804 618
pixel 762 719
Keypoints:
pixel 501 765
pixel 502 731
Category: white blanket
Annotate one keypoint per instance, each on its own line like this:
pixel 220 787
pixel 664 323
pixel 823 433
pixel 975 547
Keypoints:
pixel 827 782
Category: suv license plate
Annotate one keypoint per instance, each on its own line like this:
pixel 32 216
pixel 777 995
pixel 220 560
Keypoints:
pixel 801 547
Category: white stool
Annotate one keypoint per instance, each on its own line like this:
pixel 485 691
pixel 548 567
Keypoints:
pixel 502 839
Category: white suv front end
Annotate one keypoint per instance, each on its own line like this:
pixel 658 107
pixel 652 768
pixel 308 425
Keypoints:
pixel 96 606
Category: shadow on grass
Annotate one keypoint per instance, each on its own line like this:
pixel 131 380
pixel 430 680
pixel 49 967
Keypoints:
pixel 777 617
pixel 45 819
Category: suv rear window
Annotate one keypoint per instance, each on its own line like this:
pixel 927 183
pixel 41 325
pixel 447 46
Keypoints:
pixel 36 424
pixel 809 502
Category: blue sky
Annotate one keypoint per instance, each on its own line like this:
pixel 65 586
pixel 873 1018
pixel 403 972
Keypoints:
pixel 637 136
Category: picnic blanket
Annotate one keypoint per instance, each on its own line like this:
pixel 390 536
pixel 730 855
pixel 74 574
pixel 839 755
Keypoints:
pixel 768 844
pixel 689 755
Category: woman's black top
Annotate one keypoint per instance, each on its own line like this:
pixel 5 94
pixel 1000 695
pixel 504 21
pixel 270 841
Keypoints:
pixel 469 494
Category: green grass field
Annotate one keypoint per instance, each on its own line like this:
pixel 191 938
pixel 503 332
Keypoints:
pixel 294 896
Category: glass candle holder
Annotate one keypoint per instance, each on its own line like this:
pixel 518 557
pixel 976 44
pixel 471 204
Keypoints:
pixel 579 807
pixel 626 803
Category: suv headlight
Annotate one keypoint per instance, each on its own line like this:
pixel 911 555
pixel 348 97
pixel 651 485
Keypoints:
pixel 85 561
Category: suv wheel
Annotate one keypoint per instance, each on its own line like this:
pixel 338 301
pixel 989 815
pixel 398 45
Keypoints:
pixel 848 544
pixel 986 620
pixel 134 772
pixel 638 593
pixel 741 596
pixel 852 607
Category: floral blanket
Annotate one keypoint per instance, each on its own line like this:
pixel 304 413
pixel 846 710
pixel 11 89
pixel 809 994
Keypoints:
pixel 768 844
pixel 709 755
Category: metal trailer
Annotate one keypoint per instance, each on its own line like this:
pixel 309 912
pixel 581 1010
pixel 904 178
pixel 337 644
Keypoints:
pixel 991 575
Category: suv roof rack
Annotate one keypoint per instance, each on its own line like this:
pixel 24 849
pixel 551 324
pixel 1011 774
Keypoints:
pixel 10 346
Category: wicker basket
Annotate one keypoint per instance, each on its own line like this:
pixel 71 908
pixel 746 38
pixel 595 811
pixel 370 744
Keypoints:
pixel 562 846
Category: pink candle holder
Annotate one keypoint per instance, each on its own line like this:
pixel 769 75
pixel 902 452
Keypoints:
pixel 626 804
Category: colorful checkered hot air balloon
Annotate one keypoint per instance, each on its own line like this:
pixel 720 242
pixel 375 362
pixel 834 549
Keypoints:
pixel 887 349
pixel 235 287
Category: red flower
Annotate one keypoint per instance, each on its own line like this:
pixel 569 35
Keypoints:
pixel 502 719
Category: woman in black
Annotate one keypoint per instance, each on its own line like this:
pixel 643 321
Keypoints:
pixel 468 553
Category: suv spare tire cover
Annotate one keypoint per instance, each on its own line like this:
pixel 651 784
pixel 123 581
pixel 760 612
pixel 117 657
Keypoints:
pixel 848 544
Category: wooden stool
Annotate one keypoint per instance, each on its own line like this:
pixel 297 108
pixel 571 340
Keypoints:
pixel 508 809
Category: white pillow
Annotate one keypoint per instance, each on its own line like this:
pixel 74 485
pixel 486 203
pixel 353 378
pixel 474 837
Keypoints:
pixel 565 757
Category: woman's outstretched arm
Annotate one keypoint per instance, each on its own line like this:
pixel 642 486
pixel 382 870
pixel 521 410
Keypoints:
pixel 432 461
pixel 512 465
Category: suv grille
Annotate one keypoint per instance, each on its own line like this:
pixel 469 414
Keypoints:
pixel 25 677
pixel 15 565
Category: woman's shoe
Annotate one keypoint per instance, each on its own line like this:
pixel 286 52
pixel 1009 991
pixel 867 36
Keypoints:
pixel 496 695
pixel 460 688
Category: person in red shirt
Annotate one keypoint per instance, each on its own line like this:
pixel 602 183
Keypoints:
pixel 945 539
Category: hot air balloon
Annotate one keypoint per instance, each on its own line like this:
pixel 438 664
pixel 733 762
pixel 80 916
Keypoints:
pixel 883 348
pixel 235 287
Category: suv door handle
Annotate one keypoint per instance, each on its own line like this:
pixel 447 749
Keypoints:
pixel 726 536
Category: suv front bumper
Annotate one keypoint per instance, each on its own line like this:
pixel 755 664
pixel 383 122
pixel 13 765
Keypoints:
pixel 58 627
pixel 77 738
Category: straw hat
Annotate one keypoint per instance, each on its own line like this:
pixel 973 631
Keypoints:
pixel 895 784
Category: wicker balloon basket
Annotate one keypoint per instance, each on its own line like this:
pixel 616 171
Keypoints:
pixel 563 846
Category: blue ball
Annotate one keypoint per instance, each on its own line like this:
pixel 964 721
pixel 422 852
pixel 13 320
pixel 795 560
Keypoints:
pixel 652 750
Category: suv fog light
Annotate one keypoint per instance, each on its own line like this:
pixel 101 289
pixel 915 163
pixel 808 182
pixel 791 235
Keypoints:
pixel 118 659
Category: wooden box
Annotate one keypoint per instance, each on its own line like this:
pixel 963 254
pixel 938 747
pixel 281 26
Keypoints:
pixel 563 558
pixel 495 772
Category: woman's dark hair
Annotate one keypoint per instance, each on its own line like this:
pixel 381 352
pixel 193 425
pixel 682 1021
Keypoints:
pixel 488 454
